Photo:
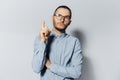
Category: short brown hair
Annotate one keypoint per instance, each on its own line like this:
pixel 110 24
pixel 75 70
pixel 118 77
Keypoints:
pixel 63 6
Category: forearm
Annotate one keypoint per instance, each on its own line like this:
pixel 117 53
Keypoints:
pixel 66 72
pixel 38 60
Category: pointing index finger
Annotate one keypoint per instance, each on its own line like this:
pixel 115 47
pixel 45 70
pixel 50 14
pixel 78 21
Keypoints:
pixel 43 24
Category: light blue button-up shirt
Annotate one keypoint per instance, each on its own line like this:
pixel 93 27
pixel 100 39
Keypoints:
pixel 64 53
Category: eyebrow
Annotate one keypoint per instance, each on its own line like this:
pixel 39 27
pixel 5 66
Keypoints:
pixel 61 14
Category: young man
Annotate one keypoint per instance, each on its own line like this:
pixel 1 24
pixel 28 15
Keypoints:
pixel 57 55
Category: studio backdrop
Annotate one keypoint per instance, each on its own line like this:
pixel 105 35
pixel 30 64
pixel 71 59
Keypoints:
pixel 95 22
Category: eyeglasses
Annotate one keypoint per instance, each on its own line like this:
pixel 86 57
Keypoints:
pixel 59 17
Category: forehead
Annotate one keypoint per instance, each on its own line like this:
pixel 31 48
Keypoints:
pixel 63 11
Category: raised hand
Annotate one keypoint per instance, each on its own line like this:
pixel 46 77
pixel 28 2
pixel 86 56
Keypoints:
pixel 44 32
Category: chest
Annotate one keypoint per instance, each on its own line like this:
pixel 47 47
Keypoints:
pixel 61 51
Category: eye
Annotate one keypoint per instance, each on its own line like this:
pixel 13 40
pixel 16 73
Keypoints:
pixel 67 17
pixel 58 15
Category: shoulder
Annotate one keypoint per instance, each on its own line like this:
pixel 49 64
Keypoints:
pixel 72 38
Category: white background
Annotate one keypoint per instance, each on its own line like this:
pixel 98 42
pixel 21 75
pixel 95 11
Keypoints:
pixel 95 22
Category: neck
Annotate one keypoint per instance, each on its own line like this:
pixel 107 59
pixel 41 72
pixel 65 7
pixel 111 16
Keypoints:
pixel 57 31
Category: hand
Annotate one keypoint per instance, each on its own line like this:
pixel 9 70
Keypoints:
pixel 44 32
pixel 48 63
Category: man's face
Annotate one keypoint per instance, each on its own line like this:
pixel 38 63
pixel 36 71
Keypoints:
pixel 61 19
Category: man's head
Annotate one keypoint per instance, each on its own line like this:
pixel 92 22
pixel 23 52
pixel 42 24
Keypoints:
pixel 62 18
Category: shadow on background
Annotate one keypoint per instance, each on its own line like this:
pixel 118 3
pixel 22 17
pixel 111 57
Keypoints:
pixel 87 69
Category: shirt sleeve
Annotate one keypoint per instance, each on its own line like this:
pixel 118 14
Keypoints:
pixel 74 71
pixel 38 60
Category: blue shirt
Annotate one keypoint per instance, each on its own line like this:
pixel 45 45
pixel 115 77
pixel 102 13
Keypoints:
pixel 65 54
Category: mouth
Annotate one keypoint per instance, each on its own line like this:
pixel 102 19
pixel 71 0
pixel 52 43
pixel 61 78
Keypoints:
pixel 61 24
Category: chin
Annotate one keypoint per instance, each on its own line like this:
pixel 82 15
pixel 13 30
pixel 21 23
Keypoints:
pixel 60 28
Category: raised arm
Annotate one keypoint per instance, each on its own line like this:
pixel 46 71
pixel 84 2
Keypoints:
pixel 39 56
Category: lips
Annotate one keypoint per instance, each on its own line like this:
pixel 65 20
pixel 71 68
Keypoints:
pixel 60 24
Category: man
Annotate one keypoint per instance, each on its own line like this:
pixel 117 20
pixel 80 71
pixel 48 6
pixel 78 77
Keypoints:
pixel 57 55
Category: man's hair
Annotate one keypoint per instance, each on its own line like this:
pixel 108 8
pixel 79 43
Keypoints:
pixel 65 7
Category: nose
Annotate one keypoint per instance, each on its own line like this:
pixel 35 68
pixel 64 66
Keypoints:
pixel 63 18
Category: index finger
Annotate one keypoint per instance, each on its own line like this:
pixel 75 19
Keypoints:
pixel 43 25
